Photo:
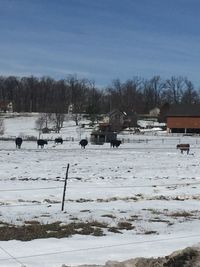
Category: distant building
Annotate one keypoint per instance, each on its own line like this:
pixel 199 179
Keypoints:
pixel 119 120
pixel 6 106
pixel 184 118
pixel 154 112
pixel 10 107
pixel 116 119
pixel 151 116
pixel 70 109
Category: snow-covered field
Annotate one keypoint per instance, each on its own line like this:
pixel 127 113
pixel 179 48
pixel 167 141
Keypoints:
pixel 146 189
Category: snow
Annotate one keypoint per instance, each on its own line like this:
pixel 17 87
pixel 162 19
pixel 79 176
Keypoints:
pixel 148 123
pixel 144 182
pixel 25 125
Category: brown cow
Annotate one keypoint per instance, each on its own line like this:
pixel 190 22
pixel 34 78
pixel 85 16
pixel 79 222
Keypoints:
pixel 183 147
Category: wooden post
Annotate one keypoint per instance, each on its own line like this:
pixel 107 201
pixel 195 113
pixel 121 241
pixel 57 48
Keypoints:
pixel 64 189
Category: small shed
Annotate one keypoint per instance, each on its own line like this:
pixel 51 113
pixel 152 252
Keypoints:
pixel 103 134
pixel 99 138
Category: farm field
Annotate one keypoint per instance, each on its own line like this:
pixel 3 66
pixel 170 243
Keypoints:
pixel 141 199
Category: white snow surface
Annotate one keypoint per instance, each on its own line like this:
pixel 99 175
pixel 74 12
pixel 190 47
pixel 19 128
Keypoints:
pixel 146 182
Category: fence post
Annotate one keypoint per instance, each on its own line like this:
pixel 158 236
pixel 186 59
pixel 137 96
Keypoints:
pixel 64 189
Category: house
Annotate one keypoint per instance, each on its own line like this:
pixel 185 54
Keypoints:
pixel 184 118
pixel 6 106
pixel 151 116
pixel 116 119
pixel 154 112
pixel 70 109
pixel 119 120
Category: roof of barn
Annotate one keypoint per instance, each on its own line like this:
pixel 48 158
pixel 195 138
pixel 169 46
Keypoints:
pixel 184 110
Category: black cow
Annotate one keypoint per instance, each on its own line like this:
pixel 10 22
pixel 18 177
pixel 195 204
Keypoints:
pixel 58 140
pixel 115 143
pixel 83 143
pixel 18 142
pixel 41 143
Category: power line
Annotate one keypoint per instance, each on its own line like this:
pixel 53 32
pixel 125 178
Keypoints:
pixel 28 205
pixel 30 189
pixel 92 187
pixel 11 256
pixel 138 186
pixel 103 247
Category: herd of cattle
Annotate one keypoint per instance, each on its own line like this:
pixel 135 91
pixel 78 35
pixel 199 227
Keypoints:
pixel 59 140
pixel 84 142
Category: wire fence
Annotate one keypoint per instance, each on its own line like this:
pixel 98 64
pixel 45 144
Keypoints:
pixel 101 187
pixel 49 203
pixel 168 139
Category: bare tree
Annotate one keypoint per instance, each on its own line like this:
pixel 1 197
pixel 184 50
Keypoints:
pixel 190 95
pixel 94 104
pixel 58 119
pixel 152 93
pixel 78 96
pixel 126 96
pixel 43 121
pixel 173 89
pixel 76 117
pixel 132 95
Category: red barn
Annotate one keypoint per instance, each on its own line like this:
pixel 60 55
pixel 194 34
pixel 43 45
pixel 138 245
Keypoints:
pixel 184 119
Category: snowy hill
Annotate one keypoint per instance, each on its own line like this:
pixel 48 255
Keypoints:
pixel 24 125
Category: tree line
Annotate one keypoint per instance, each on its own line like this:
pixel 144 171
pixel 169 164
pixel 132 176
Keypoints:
pixel 47 95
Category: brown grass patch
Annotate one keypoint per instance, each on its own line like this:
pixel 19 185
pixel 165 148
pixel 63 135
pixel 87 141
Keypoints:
pixel 125 226
pixel 34 229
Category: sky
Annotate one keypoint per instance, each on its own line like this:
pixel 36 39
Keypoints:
pixel 101 40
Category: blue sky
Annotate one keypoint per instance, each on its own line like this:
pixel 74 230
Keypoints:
pixel 100 39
